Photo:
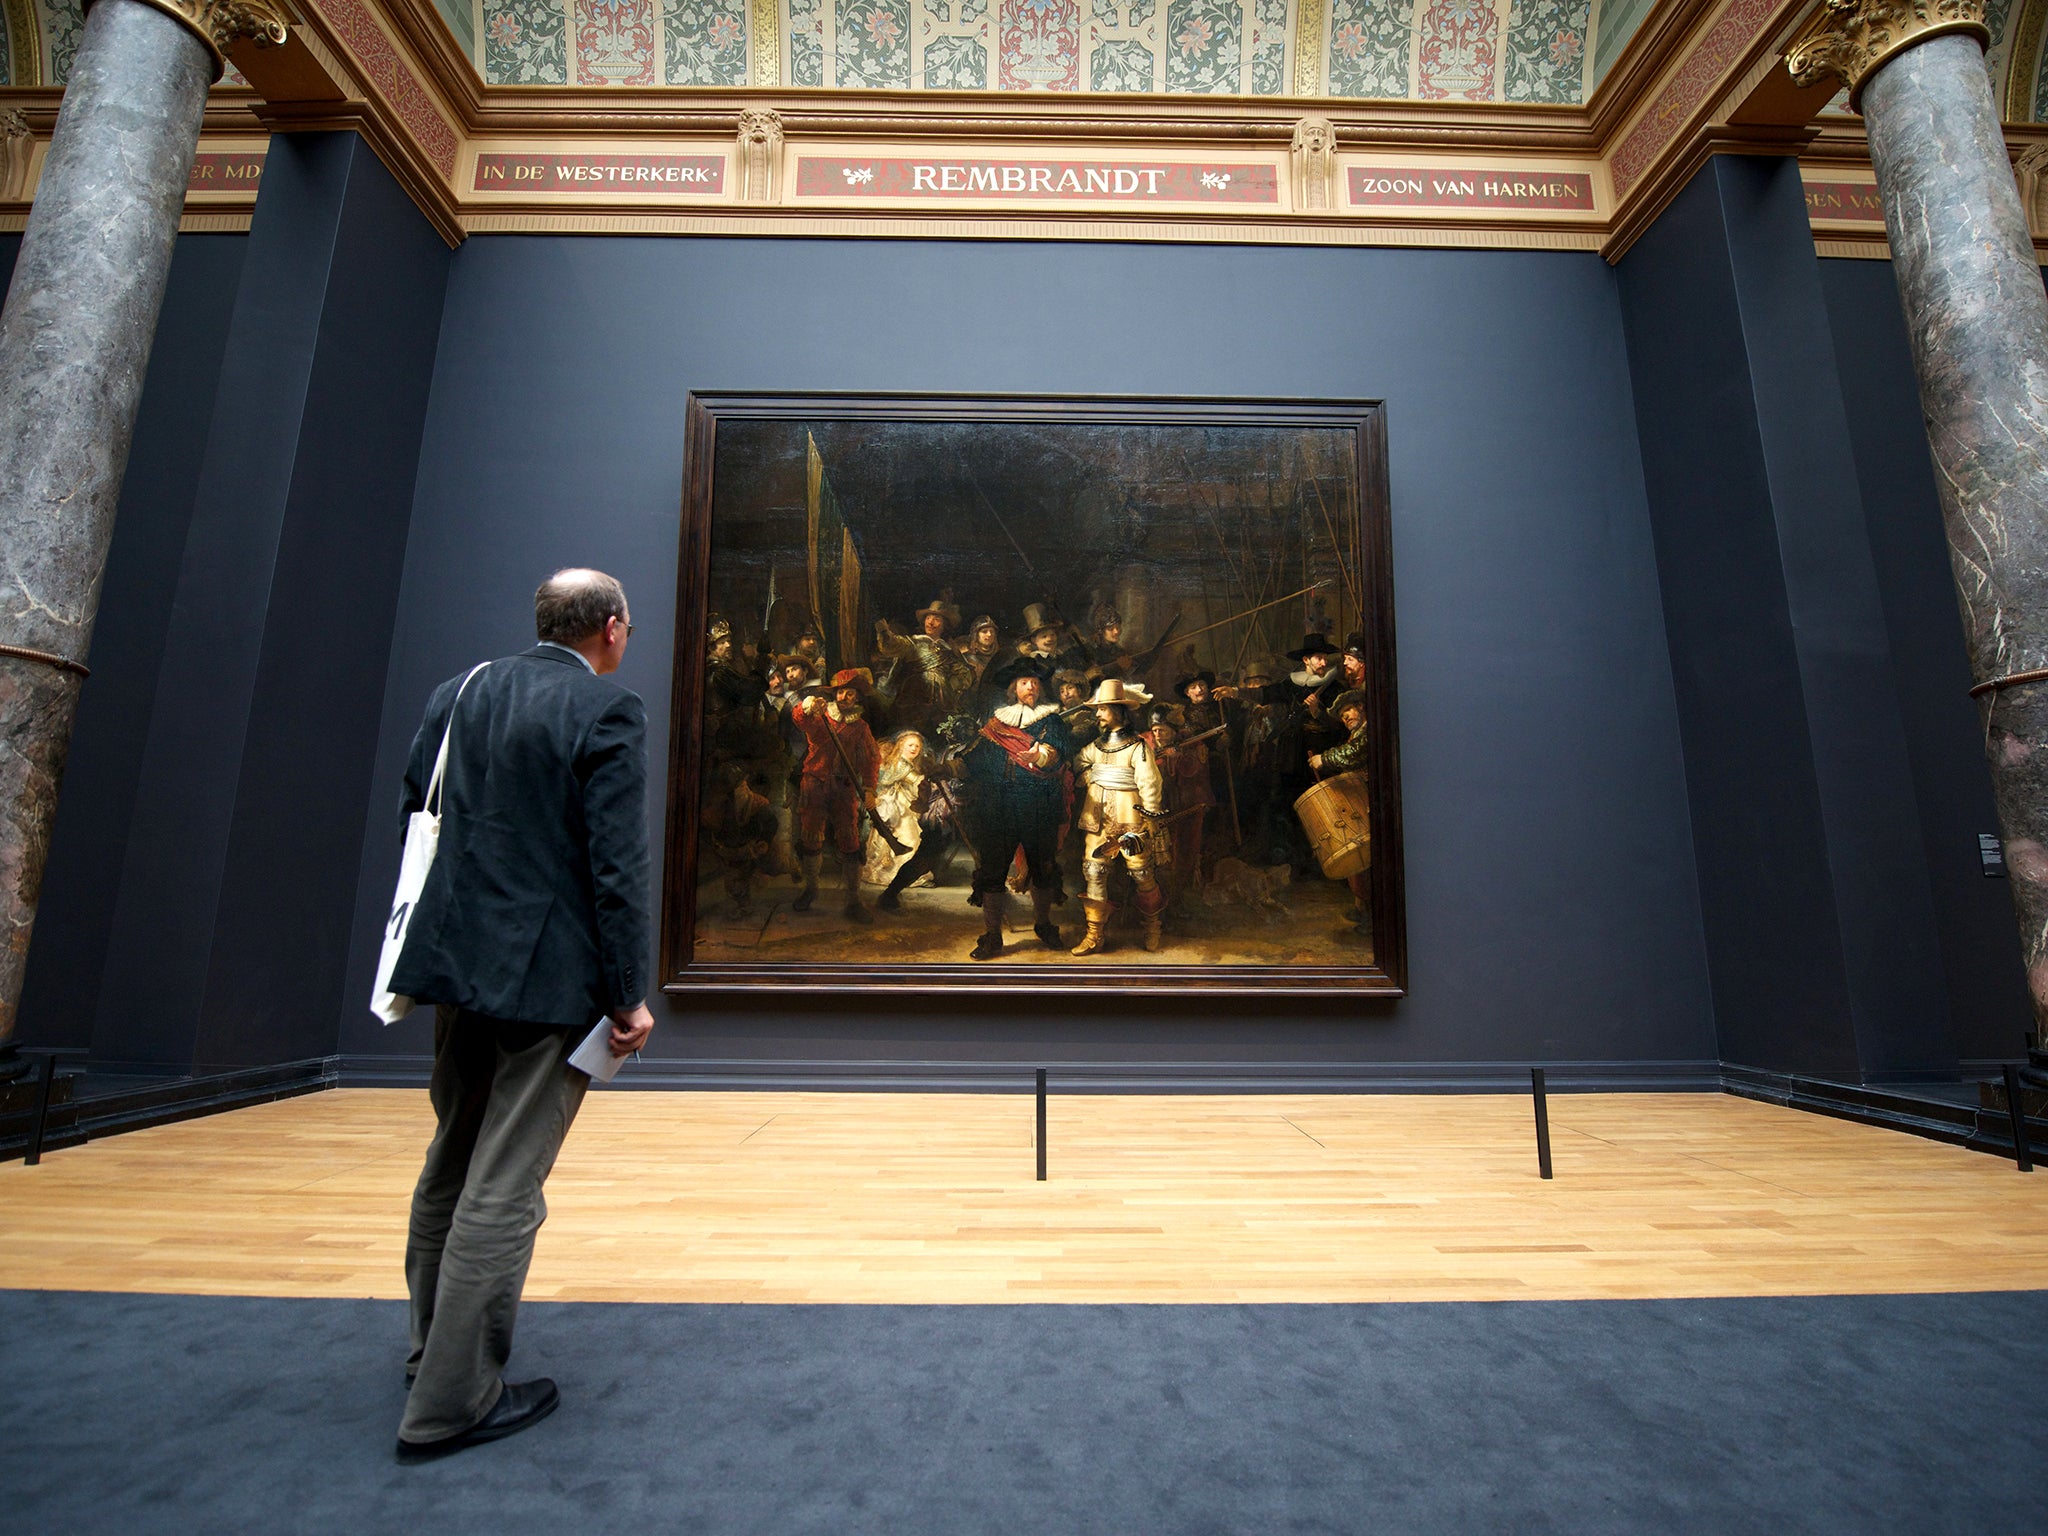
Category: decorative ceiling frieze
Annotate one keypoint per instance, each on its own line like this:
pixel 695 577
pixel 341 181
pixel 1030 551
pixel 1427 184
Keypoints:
pixel 1422 50
pixel 1472 152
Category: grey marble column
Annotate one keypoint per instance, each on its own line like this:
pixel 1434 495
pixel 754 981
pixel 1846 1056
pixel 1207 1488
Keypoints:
pixel 1977 316
pixel 74 342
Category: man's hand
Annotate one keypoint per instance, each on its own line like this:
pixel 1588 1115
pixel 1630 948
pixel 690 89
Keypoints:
pixel 630 1029
pixel 1315 759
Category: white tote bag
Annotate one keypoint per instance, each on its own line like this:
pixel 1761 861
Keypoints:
pixel 422 839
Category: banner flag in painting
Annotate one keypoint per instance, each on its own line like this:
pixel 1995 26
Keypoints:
pixel 835 569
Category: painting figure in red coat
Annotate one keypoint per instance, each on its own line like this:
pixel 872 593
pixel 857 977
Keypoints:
pixel 835 784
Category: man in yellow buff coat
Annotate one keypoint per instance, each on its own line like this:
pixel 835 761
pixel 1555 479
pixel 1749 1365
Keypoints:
pixel 1125 793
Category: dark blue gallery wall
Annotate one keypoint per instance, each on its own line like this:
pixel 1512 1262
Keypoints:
pixel 1979 941
pixel 62 987
pixel 236 877
pixel 1822 938
pixel 1552 907
pixel 304 781
pixel 1762 861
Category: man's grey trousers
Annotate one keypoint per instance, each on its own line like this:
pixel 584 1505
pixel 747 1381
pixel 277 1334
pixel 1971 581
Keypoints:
pixel 504 1097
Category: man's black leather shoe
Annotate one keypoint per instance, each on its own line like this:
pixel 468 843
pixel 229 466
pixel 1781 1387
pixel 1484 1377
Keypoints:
pixel 520 1406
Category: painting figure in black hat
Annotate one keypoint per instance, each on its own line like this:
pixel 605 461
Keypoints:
pixel 1315 682
pixel 1018 790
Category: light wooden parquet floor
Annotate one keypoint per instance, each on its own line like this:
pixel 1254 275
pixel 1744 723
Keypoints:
pixel 788 1197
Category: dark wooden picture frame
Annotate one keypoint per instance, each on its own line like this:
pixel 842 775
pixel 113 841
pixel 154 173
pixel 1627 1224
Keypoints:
pixel 1338 453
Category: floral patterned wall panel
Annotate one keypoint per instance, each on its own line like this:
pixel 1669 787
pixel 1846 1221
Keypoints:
pixel 1473 50
pixel 1546 51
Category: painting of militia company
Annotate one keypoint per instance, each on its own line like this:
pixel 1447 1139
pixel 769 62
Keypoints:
pixel 1067 693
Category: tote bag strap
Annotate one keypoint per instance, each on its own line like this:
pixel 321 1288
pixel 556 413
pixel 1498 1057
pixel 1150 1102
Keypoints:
pixel 432 804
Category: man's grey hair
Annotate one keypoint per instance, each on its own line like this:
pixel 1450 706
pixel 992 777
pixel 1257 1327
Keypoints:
pixel 573 604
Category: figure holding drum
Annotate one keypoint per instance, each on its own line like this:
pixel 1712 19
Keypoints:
pixel 1335 813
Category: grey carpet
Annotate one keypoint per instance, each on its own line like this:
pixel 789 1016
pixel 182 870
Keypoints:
pixel 140 1414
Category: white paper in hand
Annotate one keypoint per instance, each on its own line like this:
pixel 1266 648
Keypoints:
pixel 594 1056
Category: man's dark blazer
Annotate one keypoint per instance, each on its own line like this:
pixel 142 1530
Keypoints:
pixel 536 907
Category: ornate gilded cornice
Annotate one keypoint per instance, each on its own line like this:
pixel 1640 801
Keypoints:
pixel 220 23
pixel 2025 32
pixel 24 41
pixel 1853 39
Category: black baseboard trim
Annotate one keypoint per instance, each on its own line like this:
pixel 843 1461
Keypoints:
pixel 1960 1125
pixel 769 1075
pixel 78 1121
pixel 1892 1108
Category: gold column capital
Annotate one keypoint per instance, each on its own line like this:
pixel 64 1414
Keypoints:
pixel 1853 39
pixel 218 23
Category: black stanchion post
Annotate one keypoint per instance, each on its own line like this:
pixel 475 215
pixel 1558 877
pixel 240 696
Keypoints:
pixel 2016 1112
pixel 1542 1122
pixel 1041 1125
pixel 34 1154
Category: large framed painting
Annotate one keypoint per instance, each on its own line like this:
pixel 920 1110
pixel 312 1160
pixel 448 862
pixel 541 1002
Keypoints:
pixel 1027 694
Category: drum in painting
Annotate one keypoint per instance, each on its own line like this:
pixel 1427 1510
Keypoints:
pixel 1338 820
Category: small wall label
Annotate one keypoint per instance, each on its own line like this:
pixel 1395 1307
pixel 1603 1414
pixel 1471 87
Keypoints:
pixel 1386 186
pixel 1991 853
pixel 601 175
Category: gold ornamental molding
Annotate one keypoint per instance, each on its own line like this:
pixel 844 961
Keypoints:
pixel 221 23
pixel 1308 48
pixel 2020 60
pixel 1853 39
pixel 24 41
pixel 17 153
pixel 767 43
